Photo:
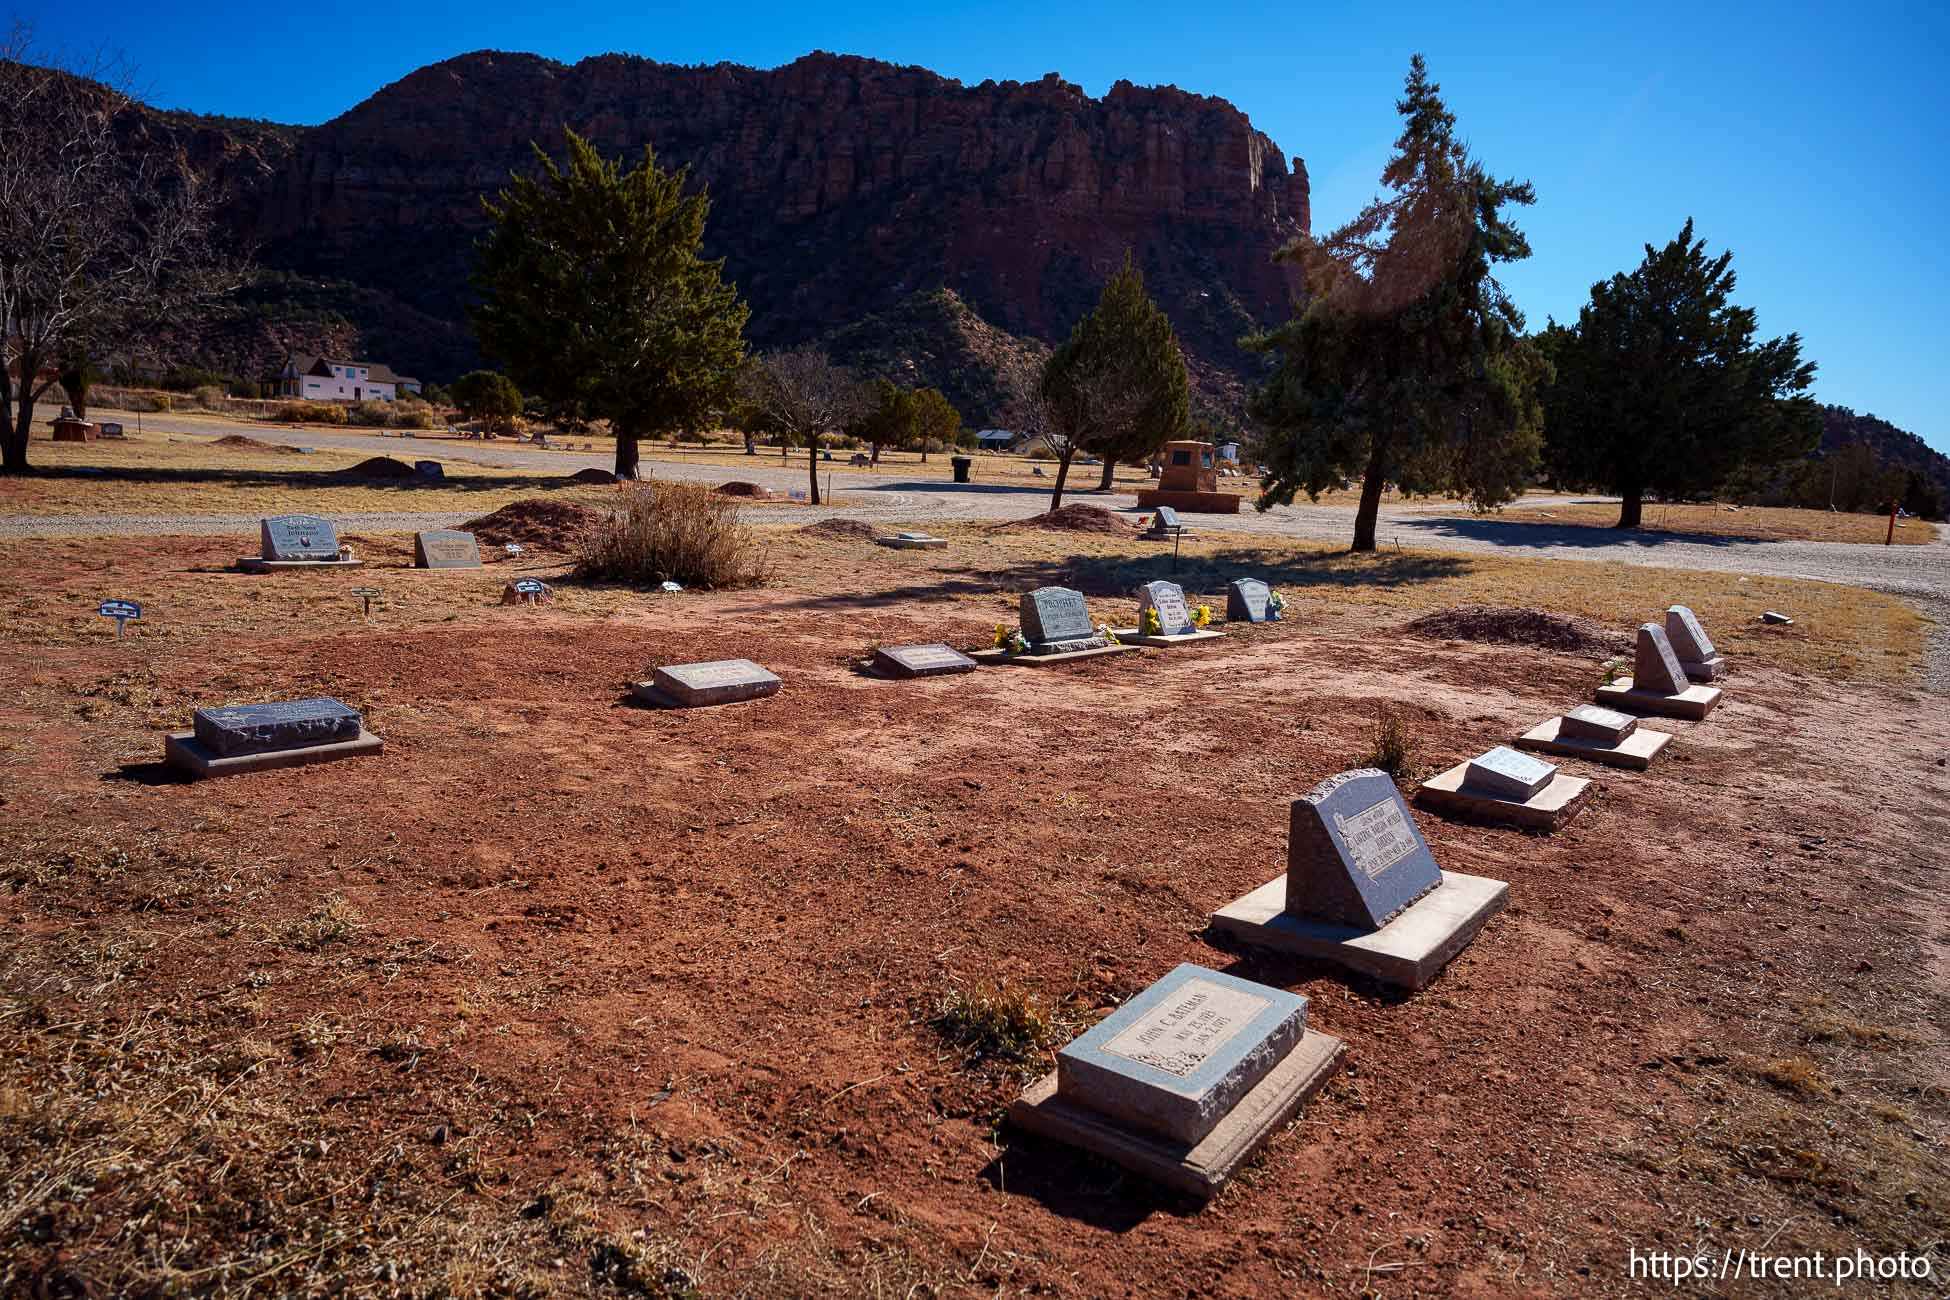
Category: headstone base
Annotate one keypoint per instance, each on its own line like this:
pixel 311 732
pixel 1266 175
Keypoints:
pixel 1705 670
pixel 1000 656
pixel 913 543
pixel 255 564
pixel 1199 1170
pixel 182 752
pixel 1129 635
pixel 1690 705
pixel 656 696
pixel 1561 799
pixel 1637 751
pixel 1408 952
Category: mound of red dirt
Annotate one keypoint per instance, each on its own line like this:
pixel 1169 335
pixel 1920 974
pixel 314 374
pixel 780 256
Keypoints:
pixel 740 488
pixel 841 528
pixel 379 467
pixel 593 475
pixel 534 522
pixel 243 443
pixel 1531 627
pixel 1074 519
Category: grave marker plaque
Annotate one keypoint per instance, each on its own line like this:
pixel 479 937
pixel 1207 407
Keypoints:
pixel 1354 857
pixel 1247 601
pixel 264 728
pixel 446 548
pixel 1655 667
pixel 934 660
pixel 719 681
pixel 1168 598
pixel 1590 722
pixel 1056 620
pixel 1506 773
pixel 297 537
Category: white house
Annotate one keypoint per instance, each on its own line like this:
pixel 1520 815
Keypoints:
pixel 996 439
pixel 327 379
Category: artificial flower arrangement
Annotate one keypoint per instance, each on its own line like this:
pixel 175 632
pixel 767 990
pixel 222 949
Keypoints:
pixel 1202 616
pixel 1151 624
pixel 1274 604
pixel 1110 637
pixel 1010 639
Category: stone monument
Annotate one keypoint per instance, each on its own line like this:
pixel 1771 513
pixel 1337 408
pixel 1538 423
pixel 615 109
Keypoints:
pixel 1693 647
pixel 296 542
pixel 1248 600
pixel 1658 683
pixel 1175 625
pixel 719 681
pixel 252 737
pixel 1507 787
pixel 936 660
pixel 446 548
pixel 1184 1081
pixel 1601 735
pixel 1362 890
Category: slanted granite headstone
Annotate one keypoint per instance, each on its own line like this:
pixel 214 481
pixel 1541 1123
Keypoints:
pixel 1507 773
pixel 264 728
pixel 297 537
pixel 1354 856
pixel 1590 722
pixel 1168 598
pixel 1693 647
pixel 1655 668
pixel 1179 1056
pixel 719 681
pixel 446 548
pixel 1247 601
pixel 1055 620
pixel 429 468
pixel 934 660
pixel 1165 521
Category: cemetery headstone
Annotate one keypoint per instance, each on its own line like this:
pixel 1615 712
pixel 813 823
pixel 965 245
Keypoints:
pixel 298 537
pixel 1507 773
pixel 1168 598
pixel 1691 644
pixel 1165 521
pixel 121 611
pixel 264 728
pixel 1655 668
pixel 1354 856
pixel 1177 1058
pixel 719 681
pixel 429 468
pixel 530 591
pixel 933 660
pixel 1600 725
pixel 446 548
pixel 110 429
pixel 1055 620
pixel 1247 601
pixel 1776 618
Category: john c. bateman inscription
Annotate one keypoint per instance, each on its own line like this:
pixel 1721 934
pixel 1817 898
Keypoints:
pixel 1180 1035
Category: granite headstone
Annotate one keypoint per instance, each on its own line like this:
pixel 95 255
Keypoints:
pixel 297 537
pixel 1247 601
pixel 1602 726
pixel 1354 857
pixel 1506 773
pixel 1655 668
pixel 264 728
pixel 429 469
pixel 1168 598
pixel 934 660
pixel 1165 521
pixel 1056 620
pixel 446 548
pixel 718 681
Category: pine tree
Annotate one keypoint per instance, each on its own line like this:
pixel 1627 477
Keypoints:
pixel 1407 363
pixel 1661 390
pixel 1117 386
pixel 596 302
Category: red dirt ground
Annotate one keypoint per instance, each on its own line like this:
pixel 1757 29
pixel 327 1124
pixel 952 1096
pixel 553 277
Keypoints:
pixel 534 522
pixel 714 937
pixel 1073 519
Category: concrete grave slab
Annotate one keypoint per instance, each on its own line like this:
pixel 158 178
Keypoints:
pixel 698 685
pixel 446 548
pixel 1176 1058
pixel 182 752
pixel 238 738
pixel 1408 952
pixel 1691 704
pixel 1131 636
pixel 933 660
pixel 1556 801
pixel 1032 660
pixel 1693 647
pixel 1204 1168
pixel 1506 773
pixel 913 542
pixel 1636 751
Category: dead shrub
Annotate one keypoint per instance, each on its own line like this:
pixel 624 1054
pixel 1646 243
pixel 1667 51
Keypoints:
pixel 995 1020
pixel 672 532
pixel 334 920
pixel 308 413
pixel 1391 746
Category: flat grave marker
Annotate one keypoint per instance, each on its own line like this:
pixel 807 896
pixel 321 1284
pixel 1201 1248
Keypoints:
pixel 234 739
pixel 1507 787
pixel 933 660
pixel 717 681
pixel 1599 734
pixel 1508 773
pixel 1589 722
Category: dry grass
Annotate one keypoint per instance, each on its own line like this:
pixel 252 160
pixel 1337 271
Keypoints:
pixel 672 532
pixel 1764 523
pixel 996 1020
pixel 1391 746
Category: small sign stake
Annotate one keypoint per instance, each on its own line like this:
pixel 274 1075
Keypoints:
pixel 121 611
pixel 366 594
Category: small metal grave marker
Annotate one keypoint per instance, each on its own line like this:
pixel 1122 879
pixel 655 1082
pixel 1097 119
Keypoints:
pixel 532 589
pixel 366 594
pixel 513 549
pixel 670 586
pixel 121 611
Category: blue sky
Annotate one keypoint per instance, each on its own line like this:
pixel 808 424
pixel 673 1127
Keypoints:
pixel 1795 134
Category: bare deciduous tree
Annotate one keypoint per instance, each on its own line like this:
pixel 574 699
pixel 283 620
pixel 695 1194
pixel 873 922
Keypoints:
pixel 103 237
pixel 803 396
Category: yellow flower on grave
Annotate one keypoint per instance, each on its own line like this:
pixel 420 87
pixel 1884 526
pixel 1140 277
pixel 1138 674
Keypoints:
pixel 1001 633
pixel 1203 616
pixel 1151 624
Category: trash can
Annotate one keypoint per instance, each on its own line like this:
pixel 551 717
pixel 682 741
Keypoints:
pixel 962 465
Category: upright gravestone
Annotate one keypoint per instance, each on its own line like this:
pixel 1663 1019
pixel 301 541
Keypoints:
pixel 1362 889
pixel 1658 683
pixel 249 737
pixel 934 660
pixel 1055 620
pixel 1165 522
pixel 1186 1079
pixel 298 538
pixel 1692 646
pixel 1655 667
pixel 1168 598
pixel 430 469
pixel 1247 601
pixel 719 681
pixel 446 548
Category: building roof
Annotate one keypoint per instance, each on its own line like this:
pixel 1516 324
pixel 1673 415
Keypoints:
pixel 305 363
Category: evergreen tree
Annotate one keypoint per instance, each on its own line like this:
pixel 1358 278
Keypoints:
pixel 1661 390
pixel 1407 363
pixel 486 395
pixel 596 302
pixel 935 419
pixel 1117 386
pixel 889 418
